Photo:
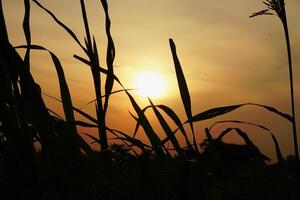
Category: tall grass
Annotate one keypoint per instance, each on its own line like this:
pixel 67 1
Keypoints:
pixel 134 169
pixel 278 6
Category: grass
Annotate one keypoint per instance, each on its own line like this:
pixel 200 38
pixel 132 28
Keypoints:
pixel 278 6
pixel 66 167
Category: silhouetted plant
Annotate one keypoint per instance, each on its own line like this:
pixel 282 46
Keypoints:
pixel 67 167
pixel 278 6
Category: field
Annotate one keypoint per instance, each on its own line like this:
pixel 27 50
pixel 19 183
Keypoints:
pixel 43 156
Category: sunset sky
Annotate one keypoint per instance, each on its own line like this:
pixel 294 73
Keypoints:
pixel 227 57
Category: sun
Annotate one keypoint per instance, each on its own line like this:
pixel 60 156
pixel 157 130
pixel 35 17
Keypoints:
pixel 150 84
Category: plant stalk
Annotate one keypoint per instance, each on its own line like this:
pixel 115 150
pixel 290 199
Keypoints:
pixel 289 53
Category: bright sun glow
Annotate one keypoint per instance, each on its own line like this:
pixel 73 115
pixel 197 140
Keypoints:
pixel 150 84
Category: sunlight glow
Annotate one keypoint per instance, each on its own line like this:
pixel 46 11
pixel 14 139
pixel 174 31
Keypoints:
pixel 150 84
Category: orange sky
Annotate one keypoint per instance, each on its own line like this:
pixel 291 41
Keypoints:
pixel 227 57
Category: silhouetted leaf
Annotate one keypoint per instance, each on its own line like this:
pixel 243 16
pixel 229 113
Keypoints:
pixel 114 92
pixel 183 88
pixel 276 144
pixel 86 27
pixel 214 112
pixel 167 129
pixel 71 33
pixel 274 110
pixel 176 120
pixel 96 67
pixel 278 151
pixel 26 28
pixel 110 56
pixel 64 89
pixel 154 139
pixel 247 140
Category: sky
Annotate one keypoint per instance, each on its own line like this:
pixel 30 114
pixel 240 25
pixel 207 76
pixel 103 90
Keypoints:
pixel 227 58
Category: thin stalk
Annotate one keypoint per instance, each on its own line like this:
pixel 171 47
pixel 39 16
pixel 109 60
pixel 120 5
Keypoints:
pixel 278 6
pixel 289 53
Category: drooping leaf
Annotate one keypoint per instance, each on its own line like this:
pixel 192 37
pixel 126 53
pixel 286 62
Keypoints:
pixel 274 110
pixel 64 89
pixel 247 140
pixel 276 144
pixel 97 68
pixel 71 33
pixel 214 112
pixel 114 92
pixel 277 149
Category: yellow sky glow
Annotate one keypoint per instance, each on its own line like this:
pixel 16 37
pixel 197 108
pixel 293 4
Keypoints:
pixel 227 57
pixel 150 84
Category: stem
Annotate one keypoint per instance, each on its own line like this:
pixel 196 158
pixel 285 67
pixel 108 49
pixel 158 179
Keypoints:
pixel 286 32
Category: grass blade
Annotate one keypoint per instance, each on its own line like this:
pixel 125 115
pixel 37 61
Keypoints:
pixel 176 120
pixel 71 33
pixel 87 29
pixel 26 28
pixel 278 151
pixel 247 140
pixel 97 67
pixel 152 136
pixel 276 144
pixel 114 92
pixel 167 129
pixel 214 112
pixel 183 88
pixel 110 56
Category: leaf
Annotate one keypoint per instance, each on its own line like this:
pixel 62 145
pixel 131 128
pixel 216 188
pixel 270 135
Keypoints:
pixel 26 28
pixel 3 30
pixel 176 120
pixel 110 56
pixel 223 133
pixel 82 113
pixel 153 138
pixel 262 12
pixel 251 144
pixel 276 144
pixel 105 71
pixel 132 140
pixel 114 92
pixel 64 89
pixel 278 151
pixel 274 110
pixel 33 105
pixel 167 129
pixel 214 112
pixel 183 88
pixel 86 124
pixel 71 33
pixel 239 122
pixel 86 26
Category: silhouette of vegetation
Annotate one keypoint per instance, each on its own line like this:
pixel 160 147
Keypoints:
pixel 66 167
pixel 278 6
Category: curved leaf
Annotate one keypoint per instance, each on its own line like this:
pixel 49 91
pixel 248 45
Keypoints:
pixel 71 33
pixel 214 112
